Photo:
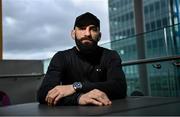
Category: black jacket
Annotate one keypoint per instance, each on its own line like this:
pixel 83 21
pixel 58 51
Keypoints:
pixel 102 70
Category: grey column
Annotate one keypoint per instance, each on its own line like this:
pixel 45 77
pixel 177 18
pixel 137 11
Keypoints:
pixel 1 32
pixel 138 10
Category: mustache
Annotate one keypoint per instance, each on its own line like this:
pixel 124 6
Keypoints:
pixel 87 38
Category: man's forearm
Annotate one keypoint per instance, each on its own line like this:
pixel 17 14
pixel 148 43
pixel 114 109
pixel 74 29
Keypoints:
pixel 69 100
pixel 58 92
pixel 113 89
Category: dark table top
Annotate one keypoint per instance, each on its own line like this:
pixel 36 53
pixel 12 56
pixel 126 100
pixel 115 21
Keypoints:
pixel 129 106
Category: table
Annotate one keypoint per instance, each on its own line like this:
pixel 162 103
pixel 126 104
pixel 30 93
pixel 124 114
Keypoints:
pixel 130 106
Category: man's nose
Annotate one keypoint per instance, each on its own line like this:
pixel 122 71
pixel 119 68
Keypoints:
pixel 87 32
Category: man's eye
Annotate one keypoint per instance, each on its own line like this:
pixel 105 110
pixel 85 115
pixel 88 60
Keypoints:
pixel 94 29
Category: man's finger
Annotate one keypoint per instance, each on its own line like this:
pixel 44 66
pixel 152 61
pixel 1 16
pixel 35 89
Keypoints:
pixel 50 93
pixel 103 100
pixel 95 102
pixel 58 98
pixel 100 97
pixel 50 97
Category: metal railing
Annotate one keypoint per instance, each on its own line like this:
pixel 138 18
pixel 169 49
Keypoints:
pixel 152 60
pixel 39 75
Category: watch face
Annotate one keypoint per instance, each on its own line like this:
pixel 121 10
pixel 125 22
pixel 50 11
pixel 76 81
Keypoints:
pixel 77 86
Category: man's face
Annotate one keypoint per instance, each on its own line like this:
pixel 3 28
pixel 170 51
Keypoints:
pixel 87 34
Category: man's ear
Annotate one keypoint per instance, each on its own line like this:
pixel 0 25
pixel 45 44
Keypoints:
pixel 73 34
pixel 99 36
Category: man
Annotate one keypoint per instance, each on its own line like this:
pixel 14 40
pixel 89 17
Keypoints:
pixel 85 74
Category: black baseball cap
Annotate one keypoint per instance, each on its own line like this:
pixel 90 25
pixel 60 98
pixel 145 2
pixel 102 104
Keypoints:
pixel 86 19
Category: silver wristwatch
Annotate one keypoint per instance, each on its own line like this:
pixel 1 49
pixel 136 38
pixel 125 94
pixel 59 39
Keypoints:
pixel 77 86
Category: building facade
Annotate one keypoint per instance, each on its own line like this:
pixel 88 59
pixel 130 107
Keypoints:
pixel 146 29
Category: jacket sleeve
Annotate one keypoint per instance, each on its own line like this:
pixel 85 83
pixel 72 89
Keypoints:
pixel 115 87
pixel 53 78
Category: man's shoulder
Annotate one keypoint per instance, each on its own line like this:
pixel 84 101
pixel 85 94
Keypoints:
pixel 110 54
pixel 66 51
pixel 107 51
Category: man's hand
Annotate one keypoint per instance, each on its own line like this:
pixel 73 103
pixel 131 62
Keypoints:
pixel 95 97
pixel 58 92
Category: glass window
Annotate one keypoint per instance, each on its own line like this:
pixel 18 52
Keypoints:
pixel 149 45
pixel 165 22
pixel 146 9
pixel 125 33
pixel 147 27
pixel 161 42
pixel 119 19
pixel 158 23
pixel 132 31
pixel 131 15
pixel 122 18
pixel 125 2
pixel 134 48
pixel 151 8
pixel 154 43
pixel 127 17
pixel 157 5
pixel 119 33
pixel 163 3
pixel 152 25
pixel 128 32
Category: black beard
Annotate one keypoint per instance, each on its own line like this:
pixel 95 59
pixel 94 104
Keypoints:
pixel 86 49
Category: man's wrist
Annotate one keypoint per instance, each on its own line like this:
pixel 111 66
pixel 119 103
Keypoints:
pixel 72 89
pixel 78 97
pixel 77 86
